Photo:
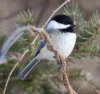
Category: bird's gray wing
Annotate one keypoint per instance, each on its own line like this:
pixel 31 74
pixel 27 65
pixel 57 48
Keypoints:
pixel 40 45
pixel 24 72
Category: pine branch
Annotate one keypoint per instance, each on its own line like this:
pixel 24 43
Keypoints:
pixel 26 17
pixel 88 31
pixel 12 70
pixel 43 35
pixel 77 15
pixel 92 40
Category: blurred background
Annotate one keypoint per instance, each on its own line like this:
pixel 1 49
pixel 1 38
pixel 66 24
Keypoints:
pixel 10 9
pixel 84 73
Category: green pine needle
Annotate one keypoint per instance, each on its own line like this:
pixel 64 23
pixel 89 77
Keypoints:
pixel 87 30
pixel 27 17
pixel 77 15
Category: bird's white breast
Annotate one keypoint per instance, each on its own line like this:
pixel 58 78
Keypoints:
pixel 63 42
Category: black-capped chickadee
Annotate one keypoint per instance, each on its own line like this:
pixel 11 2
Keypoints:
pixel 63 37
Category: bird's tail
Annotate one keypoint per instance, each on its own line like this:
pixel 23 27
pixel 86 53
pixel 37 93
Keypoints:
pixel 22 75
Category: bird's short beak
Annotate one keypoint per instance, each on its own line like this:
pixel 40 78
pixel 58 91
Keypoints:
pixel 74 22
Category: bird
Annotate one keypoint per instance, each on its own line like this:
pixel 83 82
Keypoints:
pixel 63 37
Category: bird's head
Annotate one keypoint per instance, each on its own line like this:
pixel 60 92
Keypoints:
pixel 62 23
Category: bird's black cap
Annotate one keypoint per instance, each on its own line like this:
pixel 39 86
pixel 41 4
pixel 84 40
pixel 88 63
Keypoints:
pixel 64 19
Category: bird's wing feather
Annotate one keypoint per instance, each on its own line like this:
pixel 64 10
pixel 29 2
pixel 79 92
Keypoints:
pixel 40 45
pixel 24 72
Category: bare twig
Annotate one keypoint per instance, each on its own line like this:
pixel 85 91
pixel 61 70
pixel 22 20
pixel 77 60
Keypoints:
pixel 55 11
pixel 62 62
pixel 66 81
pixel 12 70
pixel 43 35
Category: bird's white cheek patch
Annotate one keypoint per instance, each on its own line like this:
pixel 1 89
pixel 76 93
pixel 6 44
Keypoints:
pixel 54 25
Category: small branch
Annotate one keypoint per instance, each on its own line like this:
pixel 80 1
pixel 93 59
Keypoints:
pixel 62 62
pixel 43 35
pixel 55 11
pixel 12 70
pixel 11 40
pixel 66 81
